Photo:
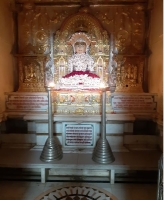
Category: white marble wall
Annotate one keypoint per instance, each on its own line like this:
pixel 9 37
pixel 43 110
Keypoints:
pixel 114 132
pixel 117 126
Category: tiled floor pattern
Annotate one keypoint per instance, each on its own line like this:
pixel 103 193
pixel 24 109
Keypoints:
pixel 26 190
pixel 76 191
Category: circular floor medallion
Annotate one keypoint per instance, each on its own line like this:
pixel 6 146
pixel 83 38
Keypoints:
pixel 78 191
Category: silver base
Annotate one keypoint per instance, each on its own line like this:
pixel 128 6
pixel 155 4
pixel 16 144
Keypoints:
pixel 51 150
pixel 102 153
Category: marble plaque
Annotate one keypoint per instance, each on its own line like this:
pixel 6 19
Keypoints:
pixel 78 134
pixel 32 102
pixel 134 102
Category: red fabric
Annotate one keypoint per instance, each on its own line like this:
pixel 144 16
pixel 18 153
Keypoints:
pixel 73 73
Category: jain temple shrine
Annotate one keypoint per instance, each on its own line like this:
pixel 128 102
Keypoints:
pixel 81 86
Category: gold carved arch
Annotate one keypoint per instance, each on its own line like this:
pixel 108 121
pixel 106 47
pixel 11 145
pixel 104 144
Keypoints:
pixel 81 22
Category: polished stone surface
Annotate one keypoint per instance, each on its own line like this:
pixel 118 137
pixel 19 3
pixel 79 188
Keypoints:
pixel 28 158
pixel 79 191
pixel 25 190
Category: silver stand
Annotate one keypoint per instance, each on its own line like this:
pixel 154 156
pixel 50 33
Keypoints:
pixel 102 153
pixel 160 179
pixel 52 150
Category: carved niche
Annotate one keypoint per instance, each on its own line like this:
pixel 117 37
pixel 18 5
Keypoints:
pixel 82 22
pixel 127 73
pixel 81 102
pixel 31 73
pixel 119 59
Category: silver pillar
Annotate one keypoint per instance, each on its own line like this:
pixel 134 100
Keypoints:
pixel 160 179
pixel 52 150
pixel 102 153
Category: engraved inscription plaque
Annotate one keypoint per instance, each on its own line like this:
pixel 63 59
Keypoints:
pixel 136 102
pixel 79 134
pixel 25 102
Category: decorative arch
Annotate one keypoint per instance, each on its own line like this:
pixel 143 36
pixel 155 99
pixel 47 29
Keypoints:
pixel 82 22
pixel 99 40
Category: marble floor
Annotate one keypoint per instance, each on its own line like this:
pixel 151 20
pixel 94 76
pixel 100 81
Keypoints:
pixel 27 186
pixel 29 190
